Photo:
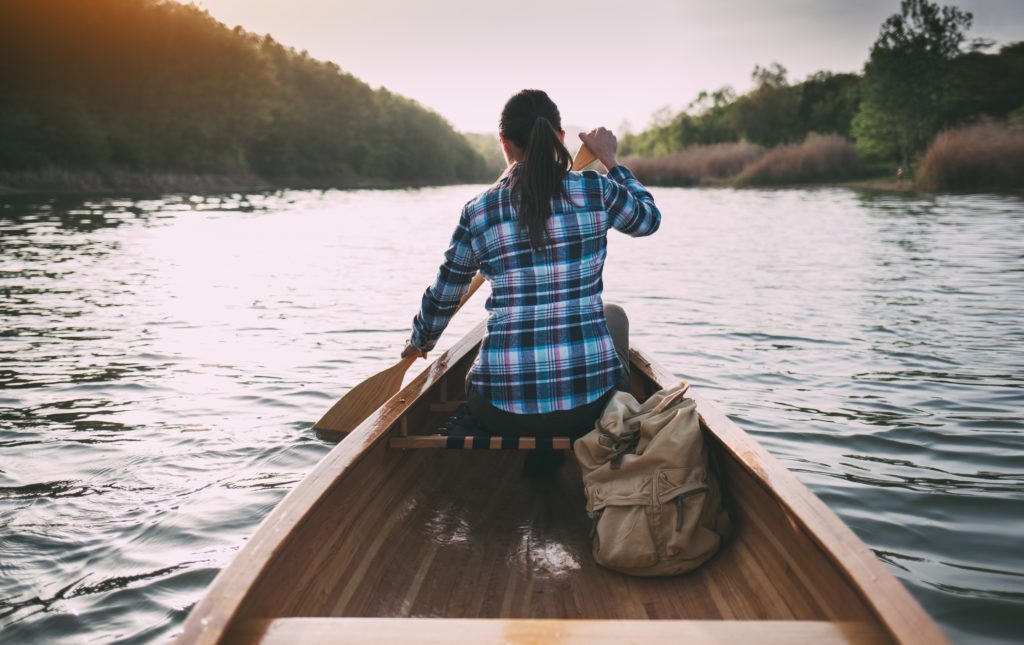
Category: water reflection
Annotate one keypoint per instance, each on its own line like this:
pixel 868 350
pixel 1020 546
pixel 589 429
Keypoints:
pixel 162 361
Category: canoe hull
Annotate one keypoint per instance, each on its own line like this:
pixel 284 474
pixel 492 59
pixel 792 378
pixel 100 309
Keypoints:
pixel 379 533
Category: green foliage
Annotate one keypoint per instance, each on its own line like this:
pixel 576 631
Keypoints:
pixel 152 85
pixel 986 84
pixel 917 82
pixel 768 115
pixel 707 120
pixel 906 88
pixel 828 103
pixel 876 132
pixel 1016 118
pixel 773 113
pixel 489 147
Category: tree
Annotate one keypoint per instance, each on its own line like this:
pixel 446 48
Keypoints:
pixel 905 88
pixel 986 84
pixel 877 133
pixel 828 102
pixel 770 114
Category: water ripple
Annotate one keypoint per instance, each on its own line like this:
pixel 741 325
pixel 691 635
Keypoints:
pixel 162 361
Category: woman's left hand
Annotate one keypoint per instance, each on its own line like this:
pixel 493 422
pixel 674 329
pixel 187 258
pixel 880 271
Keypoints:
pixel 412 350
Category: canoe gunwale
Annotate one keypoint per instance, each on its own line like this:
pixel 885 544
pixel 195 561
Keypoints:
pixel 892 604
pixel 211 618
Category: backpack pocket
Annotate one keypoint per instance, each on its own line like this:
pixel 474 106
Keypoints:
pixel 622 530
pixel 679 523
pixel 622 538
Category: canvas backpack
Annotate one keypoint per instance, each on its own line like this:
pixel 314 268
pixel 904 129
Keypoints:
pixel 651 491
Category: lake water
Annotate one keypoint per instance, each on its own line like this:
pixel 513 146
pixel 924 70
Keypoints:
pixel 162 362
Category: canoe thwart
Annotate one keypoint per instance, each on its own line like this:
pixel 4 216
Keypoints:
pixel 460 431
pixel 480 442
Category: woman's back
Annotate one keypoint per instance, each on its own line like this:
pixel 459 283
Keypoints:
pixel 539 235
pixel 547 347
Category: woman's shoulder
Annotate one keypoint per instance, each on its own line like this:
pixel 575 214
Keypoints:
pixel 590 178
pixel 584 183
pixel 485 205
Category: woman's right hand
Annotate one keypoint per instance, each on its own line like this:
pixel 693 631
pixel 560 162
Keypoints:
pixel 412 350
pixel 603 144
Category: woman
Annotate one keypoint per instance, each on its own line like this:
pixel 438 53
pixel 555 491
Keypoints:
pixel 553 353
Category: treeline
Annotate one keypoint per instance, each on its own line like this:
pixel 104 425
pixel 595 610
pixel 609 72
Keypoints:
pixel 157 86
pixel 773 113
pixel 923 77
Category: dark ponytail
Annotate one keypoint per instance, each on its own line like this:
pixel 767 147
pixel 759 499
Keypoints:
pixel 531 121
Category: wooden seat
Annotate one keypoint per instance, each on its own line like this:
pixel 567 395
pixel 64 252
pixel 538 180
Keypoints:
pixel 461 432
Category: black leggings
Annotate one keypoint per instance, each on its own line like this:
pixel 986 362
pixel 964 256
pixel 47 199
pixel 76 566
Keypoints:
pixel 572 423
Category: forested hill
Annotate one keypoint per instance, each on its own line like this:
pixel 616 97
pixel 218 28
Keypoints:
pixel 157 86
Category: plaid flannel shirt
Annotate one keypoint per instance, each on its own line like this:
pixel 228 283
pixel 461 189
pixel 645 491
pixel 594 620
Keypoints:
pixel 547 345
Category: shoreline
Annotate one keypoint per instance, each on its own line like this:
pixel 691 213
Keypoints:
pixel 65 182
pixel 113 182
pixel 871 184
pixel 884 184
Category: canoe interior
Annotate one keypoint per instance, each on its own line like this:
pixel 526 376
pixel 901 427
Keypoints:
pixel 461 534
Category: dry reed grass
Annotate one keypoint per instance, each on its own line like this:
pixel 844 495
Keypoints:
pixel 819 158
pixel 696 165
pixel 71 181
pixel 53 179
pixel 987 155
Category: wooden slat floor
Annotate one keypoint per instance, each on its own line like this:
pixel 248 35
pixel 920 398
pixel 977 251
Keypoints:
pixel 464 535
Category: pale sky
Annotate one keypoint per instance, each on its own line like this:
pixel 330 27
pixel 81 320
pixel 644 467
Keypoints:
pixel 602 62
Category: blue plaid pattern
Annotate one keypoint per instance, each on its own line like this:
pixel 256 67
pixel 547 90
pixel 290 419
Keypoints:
pixel 547 345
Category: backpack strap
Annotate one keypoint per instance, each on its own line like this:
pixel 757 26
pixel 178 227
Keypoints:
pixel 675 397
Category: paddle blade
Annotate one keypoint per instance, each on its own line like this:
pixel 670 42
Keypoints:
pixel 584 157
pixel 360 402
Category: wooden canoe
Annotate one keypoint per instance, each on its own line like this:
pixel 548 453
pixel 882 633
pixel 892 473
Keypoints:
pixel 380 544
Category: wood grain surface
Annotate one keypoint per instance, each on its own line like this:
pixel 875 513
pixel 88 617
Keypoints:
pixel 286 631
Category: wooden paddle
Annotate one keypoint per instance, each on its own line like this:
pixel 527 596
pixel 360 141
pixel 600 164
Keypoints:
pixel 363 399
pixel 584 157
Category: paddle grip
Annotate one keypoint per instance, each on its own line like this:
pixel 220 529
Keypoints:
pixel 584 157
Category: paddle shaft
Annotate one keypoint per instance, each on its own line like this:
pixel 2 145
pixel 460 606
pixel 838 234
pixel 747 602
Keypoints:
pixel 584 157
